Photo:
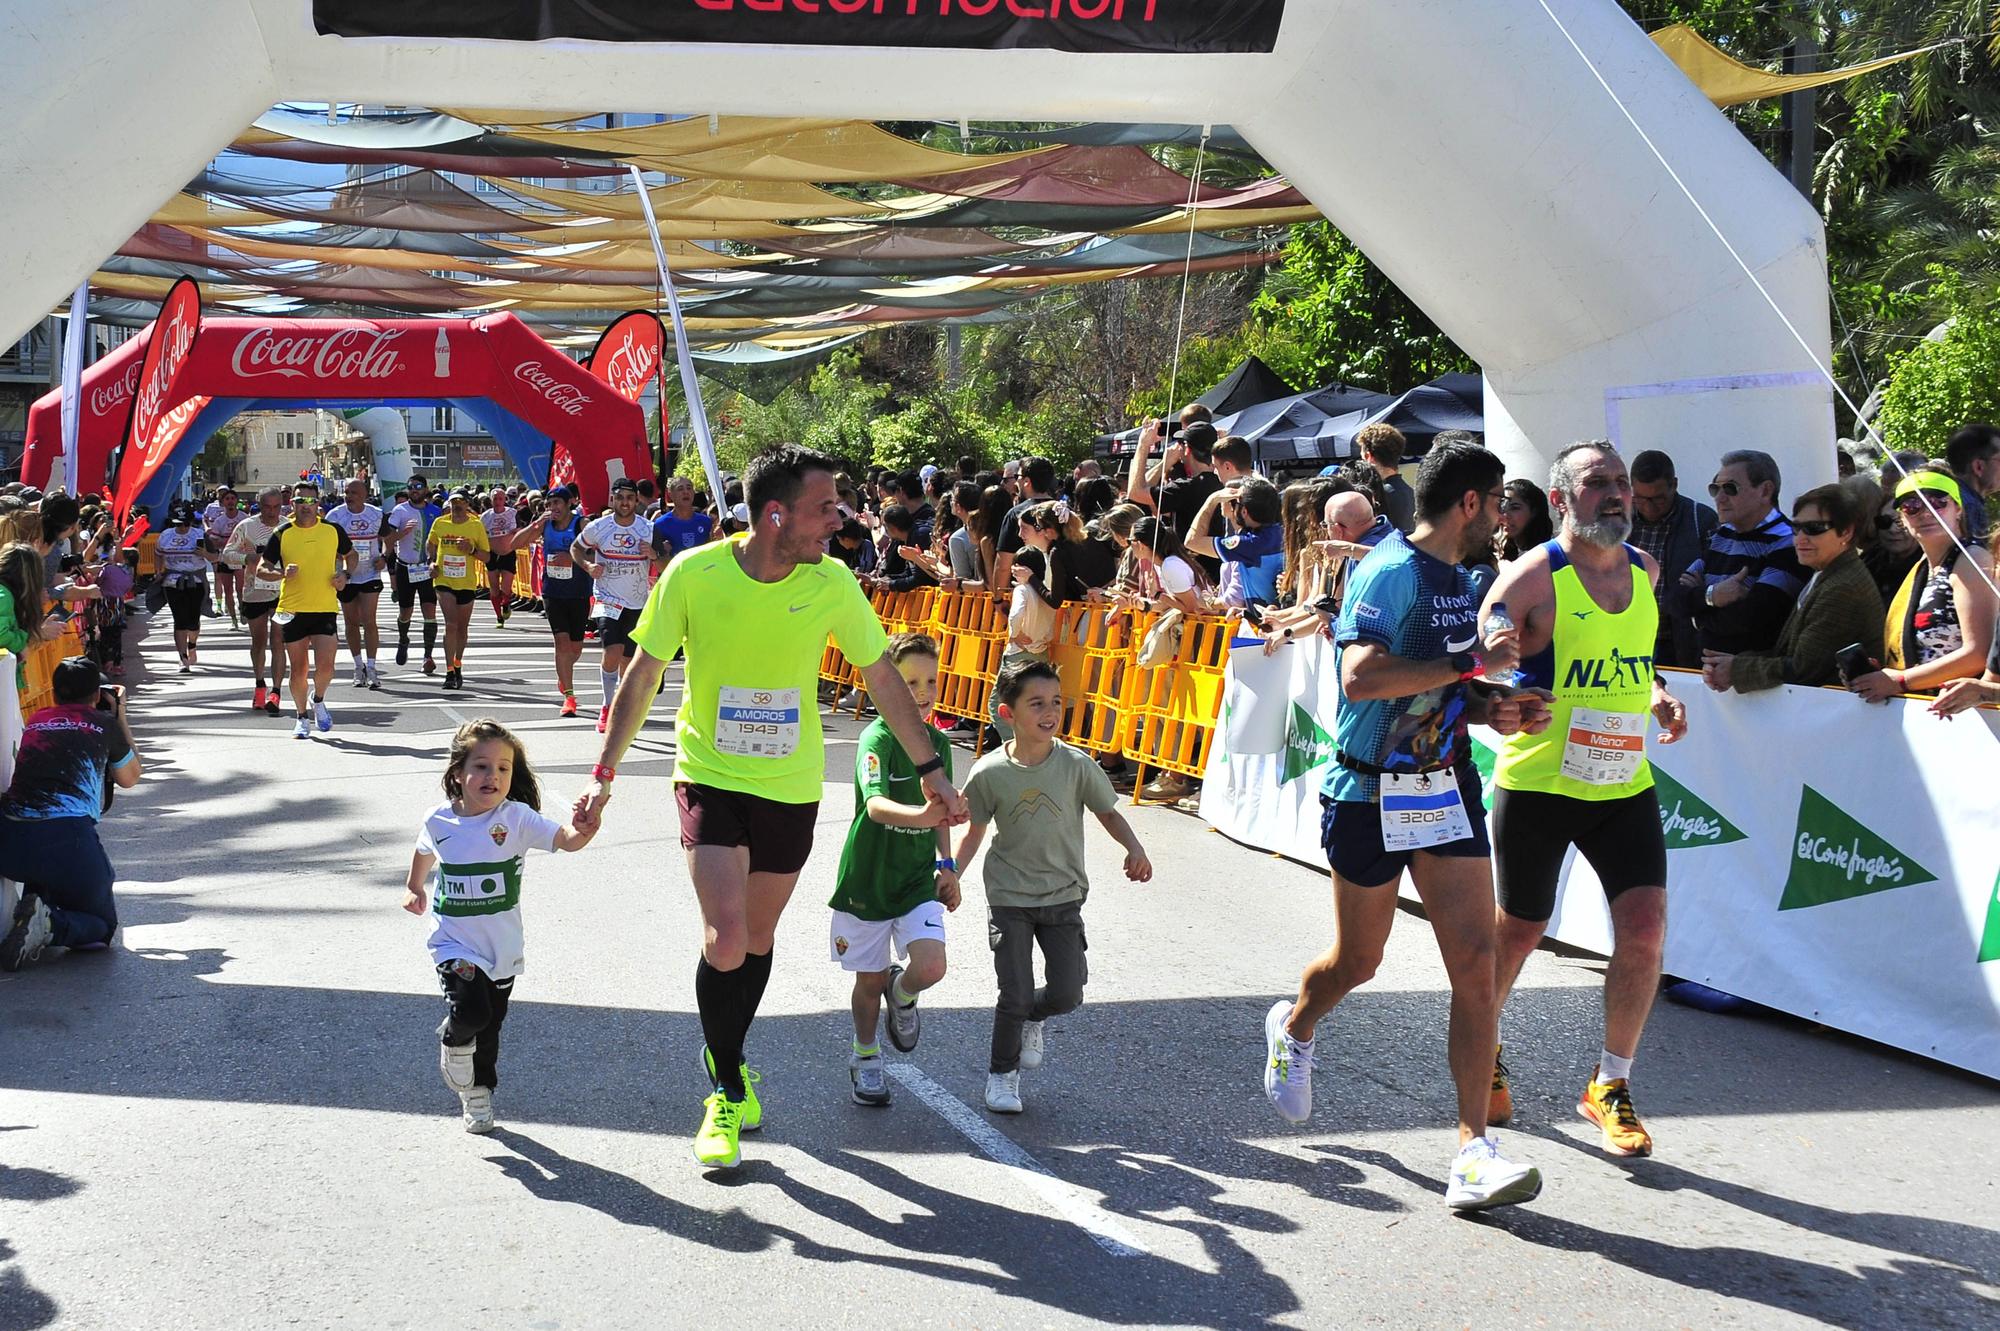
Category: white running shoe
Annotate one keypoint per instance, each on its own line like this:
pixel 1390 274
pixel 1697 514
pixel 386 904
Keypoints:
pixel 1288 1067
pixel 455 1062
pixel 871 1085
pixel 478 1106
pixel 374 673
pixel 849 701
pixel 1481 1177
pixel 1003 1092
pixel 303 730
pixel 30 934
pixel 322 716
pixel 360 674
pixel 906 1024
pixel 1033 1045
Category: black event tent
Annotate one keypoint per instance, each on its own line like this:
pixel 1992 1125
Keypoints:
pixel 1448 402
pixel 1248 384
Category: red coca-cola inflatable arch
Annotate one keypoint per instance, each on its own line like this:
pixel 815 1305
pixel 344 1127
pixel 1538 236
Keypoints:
pixel 533 396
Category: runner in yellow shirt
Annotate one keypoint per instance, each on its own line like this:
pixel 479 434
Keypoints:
pixel 458 545
pixel 754 614
pixel 316 559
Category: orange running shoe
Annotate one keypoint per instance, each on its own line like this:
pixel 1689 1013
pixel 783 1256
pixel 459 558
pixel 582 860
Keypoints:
pixel 1608 1104
pixel 1500 1104
pixel 568 705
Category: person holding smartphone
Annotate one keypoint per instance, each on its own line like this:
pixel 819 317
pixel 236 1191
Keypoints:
pixel 70 755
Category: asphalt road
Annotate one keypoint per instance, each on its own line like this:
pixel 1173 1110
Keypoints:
pixel 235 1119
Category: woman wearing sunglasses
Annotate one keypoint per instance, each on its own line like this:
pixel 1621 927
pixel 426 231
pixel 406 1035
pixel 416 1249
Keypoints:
pixel 1940 626
pixel 1838 606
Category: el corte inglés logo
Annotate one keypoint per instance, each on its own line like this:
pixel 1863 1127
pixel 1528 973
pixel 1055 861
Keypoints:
pixel 1835 857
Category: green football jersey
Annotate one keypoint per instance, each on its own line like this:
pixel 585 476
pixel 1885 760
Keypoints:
pixel 887 872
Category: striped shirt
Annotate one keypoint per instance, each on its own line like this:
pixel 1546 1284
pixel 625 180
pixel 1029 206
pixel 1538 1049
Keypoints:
pixel 1764 553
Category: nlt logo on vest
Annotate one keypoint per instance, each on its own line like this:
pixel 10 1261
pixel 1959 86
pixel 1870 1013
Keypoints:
pixel 1608 672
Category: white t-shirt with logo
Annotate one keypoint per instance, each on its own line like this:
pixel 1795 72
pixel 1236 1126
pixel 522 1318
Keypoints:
pixel 365 530
pixel 476 886
pixel 220 523
pixel 409 546
pixel 627 556
pixel 177 550
pixel 252 535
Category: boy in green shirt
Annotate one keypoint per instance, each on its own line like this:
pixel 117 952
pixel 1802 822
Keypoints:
pixel 895 882
pixel 1035 789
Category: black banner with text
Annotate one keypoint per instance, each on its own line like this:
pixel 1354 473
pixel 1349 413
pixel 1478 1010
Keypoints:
pixel 1185 27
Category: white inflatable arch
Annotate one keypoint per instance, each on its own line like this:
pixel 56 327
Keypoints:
pixel 1461 143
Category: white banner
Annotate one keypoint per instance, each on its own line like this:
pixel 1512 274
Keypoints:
pixel 1825 858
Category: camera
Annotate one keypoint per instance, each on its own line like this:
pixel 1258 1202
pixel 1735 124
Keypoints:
pixel 108 697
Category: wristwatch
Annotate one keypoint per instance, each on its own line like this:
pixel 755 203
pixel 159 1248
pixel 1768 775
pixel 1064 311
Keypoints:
pixel 1464 663
pixel 599 772
pixel 936 764
pixel 947 863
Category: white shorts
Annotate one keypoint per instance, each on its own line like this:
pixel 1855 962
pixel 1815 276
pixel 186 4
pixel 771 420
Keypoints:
pixel 863 945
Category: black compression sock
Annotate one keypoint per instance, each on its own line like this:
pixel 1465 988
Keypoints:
pixel 719 997
pixel 430 636
pixel 756 974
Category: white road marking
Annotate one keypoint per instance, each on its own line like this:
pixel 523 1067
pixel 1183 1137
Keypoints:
pixel 458 718
pixel 1065 1200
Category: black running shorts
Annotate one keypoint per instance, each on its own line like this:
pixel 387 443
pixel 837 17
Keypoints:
pixel 1620 839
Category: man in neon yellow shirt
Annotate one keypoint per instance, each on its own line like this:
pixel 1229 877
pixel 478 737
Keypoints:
pixel 458 545
pixel 316 559
pixel 1588 620
pixel 754 614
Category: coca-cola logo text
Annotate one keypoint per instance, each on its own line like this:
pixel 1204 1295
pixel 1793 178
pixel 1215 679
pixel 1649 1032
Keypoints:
pixel 171 427
pixel 104 397
pixel 178 322
pixel 350 353
pixel 565 397
pixel 631 364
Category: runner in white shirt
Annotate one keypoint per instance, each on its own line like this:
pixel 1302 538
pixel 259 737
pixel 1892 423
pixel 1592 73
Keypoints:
pixel 359 599
pixel 219 520
pixel 617 552
pixel 500 522
pixel 411 521
pixel 260 594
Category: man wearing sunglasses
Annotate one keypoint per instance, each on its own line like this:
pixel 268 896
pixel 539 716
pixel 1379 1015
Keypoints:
pixel 1742 589
pixel 1674 529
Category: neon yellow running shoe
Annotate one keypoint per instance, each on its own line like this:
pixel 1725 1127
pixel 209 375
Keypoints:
pixel 715 1146
pixel 753 1108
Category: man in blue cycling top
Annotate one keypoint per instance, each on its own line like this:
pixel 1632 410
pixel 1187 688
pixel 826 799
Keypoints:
pixel 1403 794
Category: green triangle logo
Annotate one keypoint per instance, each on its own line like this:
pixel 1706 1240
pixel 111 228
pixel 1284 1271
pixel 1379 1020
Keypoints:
pixel 1989 942
pixel 1835 858
pixel 1307 745
pixel 1484 757
pixel 1689 821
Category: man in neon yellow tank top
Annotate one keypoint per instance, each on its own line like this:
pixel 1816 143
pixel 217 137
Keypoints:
pixel 1588 619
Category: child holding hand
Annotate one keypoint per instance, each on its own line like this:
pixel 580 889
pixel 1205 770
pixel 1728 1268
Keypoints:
pixel 895 882
pixel 468 866
pixel 1034 789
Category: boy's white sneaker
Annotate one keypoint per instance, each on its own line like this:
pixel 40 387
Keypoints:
pixel 1288 1066
pixel 870 1084
pixel 1482 1177
pixel 906 1024
pixel 1003 1092
pixel 1033 1047
pixel 455 1062
pixel 478 1105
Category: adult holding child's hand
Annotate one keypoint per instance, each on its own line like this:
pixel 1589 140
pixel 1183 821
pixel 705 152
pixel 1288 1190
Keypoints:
pixel 754 615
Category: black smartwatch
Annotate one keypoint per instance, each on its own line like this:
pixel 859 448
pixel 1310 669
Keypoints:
pixel 936 764
pixel 1462 662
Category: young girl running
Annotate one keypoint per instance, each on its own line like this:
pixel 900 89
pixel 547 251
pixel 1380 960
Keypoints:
pixel 475 841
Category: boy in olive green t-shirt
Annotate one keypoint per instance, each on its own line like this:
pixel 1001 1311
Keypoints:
pixel 895 882
pixel 1034 789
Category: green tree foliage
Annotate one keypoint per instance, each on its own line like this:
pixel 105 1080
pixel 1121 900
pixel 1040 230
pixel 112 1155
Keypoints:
pixel 1349 323
pixel 1939 385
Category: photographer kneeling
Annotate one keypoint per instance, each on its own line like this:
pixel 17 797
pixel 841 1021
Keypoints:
pixel 48 817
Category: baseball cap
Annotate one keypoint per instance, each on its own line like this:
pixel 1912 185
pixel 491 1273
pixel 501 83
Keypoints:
pixel 624 483
pixel 928 470
pixel 741 513
pixel 561 492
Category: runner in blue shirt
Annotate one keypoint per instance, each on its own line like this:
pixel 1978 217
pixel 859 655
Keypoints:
pixel 680 527
pixel 566 587
pixel 1403 794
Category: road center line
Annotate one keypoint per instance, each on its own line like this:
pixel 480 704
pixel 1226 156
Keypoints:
pixel 1062 1198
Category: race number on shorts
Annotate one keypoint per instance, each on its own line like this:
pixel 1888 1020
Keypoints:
pixel 1421 810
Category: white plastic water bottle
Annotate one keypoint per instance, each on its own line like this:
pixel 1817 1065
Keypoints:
pixel 1498 621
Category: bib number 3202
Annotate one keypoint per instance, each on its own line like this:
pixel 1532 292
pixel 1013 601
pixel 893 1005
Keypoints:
pixel 757 723
pixel 1421 810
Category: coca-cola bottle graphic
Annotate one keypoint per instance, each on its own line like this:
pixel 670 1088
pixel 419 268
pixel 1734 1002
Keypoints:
pixel 443 355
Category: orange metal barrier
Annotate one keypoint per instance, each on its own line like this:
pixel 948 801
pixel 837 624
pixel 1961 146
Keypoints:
pixel 1161 718
pixel 1170 712
pixel 39 665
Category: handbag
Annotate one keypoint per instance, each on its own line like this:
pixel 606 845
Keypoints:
pixel 1162 643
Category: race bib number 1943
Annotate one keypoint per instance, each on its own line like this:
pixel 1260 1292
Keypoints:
pixel 757 723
